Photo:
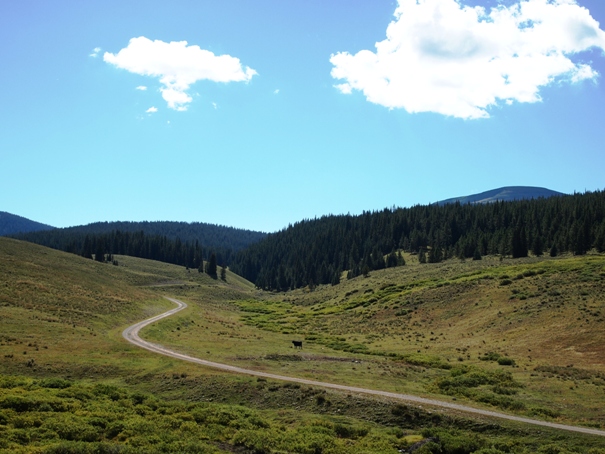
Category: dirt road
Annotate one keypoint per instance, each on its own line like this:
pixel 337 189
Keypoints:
pixel 131 334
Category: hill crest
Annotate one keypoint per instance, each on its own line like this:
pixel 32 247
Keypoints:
pixel 11 224
pixel 504 194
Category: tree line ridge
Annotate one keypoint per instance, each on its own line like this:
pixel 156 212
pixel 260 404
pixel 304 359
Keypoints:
pixel 318 251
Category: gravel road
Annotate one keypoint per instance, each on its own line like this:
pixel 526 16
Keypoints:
pixel 131 334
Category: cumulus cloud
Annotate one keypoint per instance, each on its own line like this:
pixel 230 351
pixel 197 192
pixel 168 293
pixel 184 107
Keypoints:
pixel 441 56
pixel 95 52
pixel 141 88
pixel 151 110
pixel 178 66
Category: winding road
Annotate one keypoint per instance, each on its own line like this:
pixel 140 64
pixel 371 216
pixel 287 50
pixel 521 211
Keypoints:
pixel 131 334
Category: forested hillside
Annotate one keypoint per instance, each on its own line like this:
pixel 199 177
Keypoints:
pixel 11 224
pixel 317 251
pixel 210 235
pixel 180 243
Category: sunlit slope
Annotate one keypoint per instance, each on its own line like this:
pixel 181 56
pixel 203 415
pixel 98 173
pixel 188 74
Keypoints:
pixel 523 336
pixel 61 313
pixel 527 334
pixel 550 311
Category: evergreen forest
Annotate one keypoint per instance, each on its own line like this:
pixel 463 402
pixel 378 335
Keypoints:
pixel 179 243
pixel 318 251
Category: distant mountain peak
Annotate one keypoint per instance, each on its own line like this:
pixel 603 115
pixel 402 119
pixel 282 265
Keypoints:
pixel 505 194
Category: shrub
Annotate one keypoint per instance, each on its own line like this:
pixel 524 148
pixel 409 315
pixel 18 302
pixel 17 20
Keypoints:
pixel 503 361
pixel 71 447
pixel 352 432
pixel 490 356
pixel 545 412
pixel 503 390
pixel 54 383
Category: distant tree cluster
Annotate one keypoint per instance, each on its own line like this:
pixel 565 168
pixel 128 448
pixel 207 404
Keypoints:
pixel 317 251
pixel 210 235
pixel 101 247
pixel 172 242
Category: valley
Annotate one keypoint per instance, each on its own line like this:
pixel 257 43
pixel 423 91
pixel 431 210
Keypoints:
pixel 517 336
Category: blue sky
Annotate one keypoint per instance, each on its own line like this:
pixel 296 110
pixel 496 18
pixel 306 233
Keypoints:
pixel 275 111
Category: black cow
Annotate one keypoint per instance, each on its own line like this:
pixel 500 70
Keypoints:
pixel 297 344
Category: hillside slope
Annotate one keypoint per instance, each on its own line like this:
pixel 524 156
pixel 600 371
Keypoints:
pixel 179 243
pixel 318 251
pixel 11 224
pixel 505 194
pixel 58 307
pixel 523 335
pixel 209 235
pixel 67 373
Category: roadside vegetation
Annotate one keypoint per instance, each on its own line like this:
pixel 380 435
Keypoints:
pixel 454 330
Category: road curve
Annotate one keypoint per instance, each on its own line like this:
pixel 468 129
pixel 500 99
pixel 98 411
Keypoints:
pixel 131 334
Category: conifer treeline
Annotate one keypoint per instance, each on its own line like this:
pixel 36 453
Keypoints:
pixel 317 251
pixel 211 235
pixel 180 243
pixel 134 244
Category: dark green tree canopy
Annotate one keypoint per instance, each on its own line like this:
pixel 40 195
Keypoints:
pixel 312 251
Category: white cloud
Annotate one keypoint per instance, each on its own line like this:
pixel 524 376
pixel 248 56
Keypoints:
pixel 95 52
pixel 141 88
pixel 151 110
pixel 215 105
pixel 276 91
pixel 178 66
pixel 441 56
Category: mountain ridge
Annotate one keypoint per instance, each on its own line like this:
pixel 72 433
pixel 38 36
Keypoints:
pixel 11 224
pixel 504 194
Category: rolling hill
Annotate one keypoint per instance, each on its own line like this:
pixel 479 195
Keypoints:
pixel 11 224
pixel 180 243
pixel 318 251
pixel 505 194
pixel 453 330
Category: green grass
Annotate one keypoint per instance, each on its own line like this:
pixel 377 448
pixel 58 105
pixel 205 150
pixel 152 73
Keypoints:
pixel 403 329
pixel 59 416
pixel 422 329
pixel 62 416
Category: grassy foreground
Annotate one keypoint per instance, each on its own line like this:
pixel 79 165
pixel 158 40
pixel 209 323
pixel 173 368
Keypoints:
pixel 70 383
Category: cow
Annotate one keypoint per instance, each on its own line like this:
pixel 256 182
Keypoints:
pixel 297 344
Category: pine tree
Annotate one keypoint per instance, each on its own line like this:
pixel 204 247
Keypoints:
pixel 519 242
pixel 435 255
pixel 537 248
pixel 211 266
pixel 392 260
pixel 223 273
pixel 365 270
pixel 599 242
pixel 99 252
pixel 580 233
pixel 400 259
pixel 336 277
pixel 553 250
pixel 422 256
pixel 282 283
pixel 87 248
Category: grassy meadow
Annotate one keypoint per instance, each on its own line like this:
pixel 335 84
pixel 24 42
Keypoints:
pixel 520 336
